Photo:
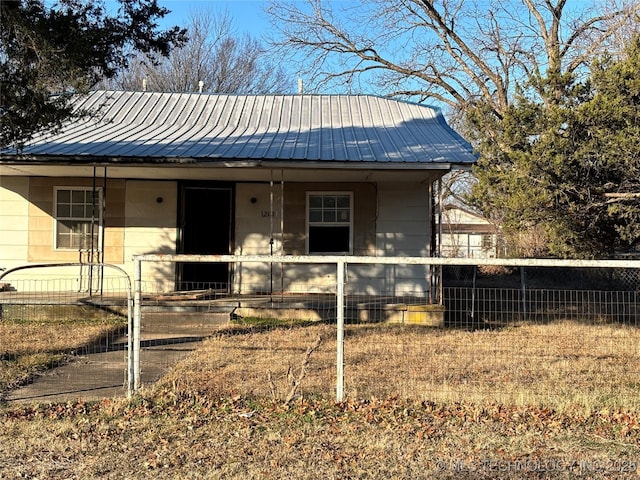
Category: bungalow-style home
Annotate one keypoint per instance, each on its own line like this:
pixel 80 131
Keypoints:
pixel 147 172
pixel 466 233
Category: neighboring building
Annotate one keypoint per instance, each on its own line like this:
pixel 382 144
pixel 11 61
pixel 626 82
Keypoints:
pixel 243 174
pixel 468 234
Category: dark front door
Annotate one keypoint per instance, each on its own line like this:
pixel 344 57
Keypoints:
pixel 206 230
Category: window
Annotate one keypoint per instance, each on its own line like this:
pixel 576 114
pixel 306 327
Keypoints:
pixel 487 241
pixel 74 213
pixel 329 222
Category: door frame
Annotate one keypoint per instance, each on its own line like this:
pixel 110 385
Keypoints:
pixel 204 185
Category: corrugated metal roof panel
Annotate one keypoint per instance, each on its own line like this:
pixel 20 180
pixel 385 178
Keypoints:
pixel 344 128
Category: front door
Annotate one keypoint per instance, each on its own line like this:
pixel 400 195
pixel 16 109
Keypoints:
pixel 206 220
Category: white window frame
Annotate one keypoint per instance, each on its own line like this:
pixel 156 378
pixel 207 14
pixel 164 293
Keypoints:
pixel 57 218
pixel 308 223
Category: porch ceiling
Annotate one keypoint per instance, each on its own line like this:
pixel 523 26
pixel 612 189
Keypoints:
pixel 229 174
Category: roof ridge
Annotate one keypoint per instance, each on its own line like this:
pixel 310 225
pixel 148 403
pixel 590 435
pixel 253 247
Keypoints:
pixel 355 95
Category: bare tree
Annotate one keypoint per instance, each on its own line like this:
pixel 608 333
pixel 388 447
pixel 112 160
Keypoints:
pixel 509 72
pixel 214 55
pixel 453 52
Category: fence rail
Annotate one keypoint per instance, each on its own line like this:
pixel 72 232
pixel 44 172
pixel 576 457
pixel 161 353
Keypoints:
pixel 472 308
pixel 53 325
pixel 541 331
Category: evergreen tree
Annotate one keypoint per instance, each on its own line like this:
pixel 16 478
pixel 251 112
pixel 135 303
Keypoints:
pixel 48 52
pixel 569 167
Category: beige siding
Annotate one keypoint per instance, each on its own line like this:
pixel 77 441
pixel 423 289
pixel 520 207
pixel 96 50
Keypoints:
pixel 27 224
pixel 42 221
pixel 403 220
pixel 389 219
pixel 14 226
pixel 150 227
pixel 403 229
pixel 255 224
pixel 364 215
pixel 322 278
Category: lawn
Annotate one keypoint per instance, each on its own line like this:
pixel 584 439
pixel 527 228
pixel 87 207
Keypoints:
pixel 558 400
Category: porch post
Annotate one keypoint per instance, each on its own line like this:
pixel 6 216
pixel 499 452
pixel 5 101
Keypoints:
pixel 340 331
pixel 281 230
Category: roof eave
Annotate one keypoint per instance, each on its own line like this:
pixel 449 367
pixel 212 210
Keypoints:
pixel 79 160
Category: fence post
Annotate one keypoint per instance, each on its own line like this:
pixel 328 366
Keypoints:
pixel 523 288
pixel 133 357
pixel 340 331
pixel 130 315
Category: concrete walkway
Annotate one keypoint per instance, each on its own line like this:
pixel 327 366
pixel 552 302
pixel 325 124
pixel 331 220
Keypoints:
pixel 100 373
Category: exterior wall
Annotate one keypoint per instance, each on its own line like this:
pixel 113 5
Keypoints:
pixel 364 215
pixel 14 221
pixel 388 219
pixel 403 229
pixel 41 220
pixel 150 224
pixel 255 224
pixel 317 278
pixel 466 235
pixel 135 222
pixel 27 225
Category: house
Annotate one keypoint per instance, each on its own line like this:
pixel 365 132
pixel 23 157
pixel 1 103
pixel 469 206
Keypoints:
pixel 149 172
pixel 466 233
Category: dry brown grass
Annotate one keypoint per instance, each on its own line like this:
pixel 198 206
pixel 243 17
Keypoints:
pixel 33 339
pixel 217 415
pixel 560 365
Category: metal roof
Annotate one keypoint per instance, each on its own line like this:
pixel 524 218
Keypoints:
pixel 165 127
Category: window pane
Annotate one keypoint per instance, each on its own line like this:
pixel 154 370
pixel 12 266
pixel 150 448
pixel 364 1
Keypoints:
pixel 74 234
pixel 329 201
pixel 315 215
pixel 77 196
pixel 315 201
pixel 77 204
pixel 64 211
pixel 77 211
pixel 343 201
pixel 75 242
pixel 63 241
pixel 64 228
pixel 64 196
pixel 329 216
pixel 343 215
pixel 323 239
pixel 329 223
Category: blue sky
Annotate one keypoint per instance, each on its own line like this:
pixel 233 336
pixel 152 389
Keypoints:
pixel 248 15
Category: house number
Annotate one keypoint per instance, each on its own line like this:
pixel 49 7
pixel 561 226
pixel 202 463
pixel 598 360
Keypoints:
pixel 267 213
